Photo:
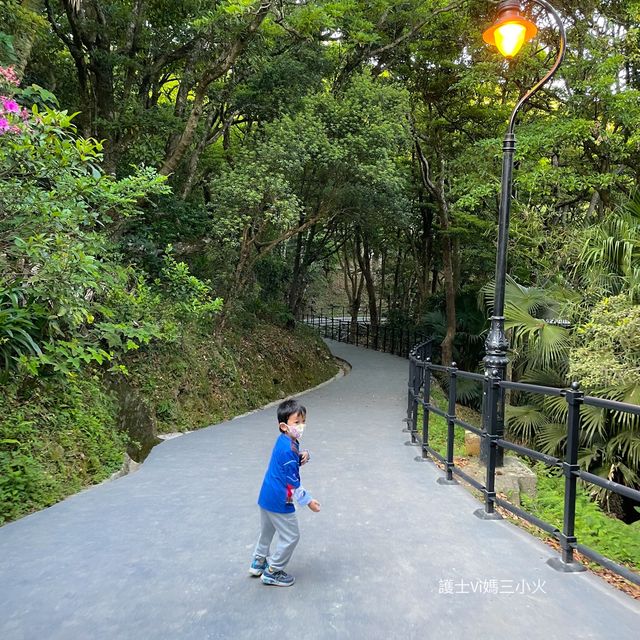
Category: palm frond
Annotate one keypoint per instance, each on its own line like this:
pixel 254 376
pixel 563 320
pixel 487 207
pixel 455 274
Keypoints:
pixel 625 445
pixel 588 456
pixel 544 377
pixel 469 392
pixel 530 299
pixel 594 424
pixel 522 423
pixel 551 438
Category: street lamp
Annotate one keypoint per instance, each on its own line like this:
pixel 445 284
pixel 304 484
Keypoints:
pixel 509 32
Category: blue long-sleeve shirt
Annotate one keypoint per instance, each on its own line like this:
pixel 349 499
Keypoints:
pixel 281 482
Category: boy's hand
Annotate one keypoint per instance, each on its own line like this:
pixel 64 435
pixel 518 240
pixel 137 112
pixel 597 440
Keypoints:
pixel 304 457
pixel 314 505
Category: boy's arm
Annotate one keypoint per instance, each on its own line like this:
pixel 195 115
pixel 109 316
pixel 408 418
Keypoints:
pixel 302 496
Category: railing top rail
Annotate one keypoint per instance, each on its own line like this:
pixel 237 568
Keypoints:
pixel 532 388
pixel 614 405
pixel 471 376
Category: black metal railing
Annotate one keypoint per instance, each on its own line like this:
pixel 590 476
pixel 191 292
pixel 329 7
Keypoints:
pixel 421 370
pixel 360 332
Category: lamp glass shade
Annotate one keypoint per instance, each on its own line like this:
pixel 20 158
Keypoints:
pixel 510 31
pixel 510 36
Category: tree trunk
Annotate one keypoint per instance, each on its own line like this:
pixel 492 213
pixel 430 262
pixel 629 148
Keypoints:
pixel 216 70
pixel 438 193
pixel 364 260
pixel 296 277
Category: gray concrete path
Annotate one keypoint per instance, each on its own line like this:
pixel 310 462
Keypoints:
pixel 164 553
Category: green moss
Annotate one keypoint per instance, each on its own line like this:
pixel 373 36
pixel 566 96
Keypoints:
pixel 56 437
pixel 209 378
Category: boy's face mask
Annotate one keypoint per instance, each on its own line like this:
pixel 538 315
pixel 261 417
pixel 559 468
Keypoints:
pixel 296 430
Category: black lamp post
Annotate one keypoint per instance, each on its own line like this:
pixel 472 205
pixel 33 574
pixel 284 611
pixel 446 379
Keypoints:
pixel 510 31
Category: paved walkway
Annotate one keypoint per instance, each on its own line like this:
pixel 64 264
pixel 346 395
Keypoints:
pixel 163 553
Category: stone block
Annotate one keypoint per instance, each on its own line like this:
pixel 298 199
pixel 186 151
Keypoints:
pixel 471 444
pixel 513 479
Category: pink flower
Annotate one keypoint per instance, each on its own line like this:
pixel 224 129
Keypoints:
pixel 10 105
pixel 9 75
pixel 4 125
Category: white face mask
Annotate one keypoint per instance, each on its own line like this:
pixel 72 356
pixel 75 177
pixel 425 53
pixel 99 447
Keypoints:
pixel 296 430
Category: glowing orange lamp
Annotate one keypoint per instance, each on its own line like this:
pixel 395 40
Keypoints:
pixel 510 30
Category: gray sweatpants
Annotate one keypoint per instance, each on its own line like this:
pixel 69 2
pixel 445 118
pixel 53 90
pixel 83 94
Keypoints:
pixel 286 524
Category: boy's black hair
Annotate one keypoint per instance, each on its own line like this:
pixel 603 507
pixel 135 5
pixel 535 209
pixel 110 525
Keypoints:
pixel 288 408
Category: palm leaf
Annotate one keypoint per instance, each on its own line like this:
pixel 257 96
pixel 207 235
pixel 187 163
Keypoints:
pixel 522 423
pixel 551 438
pixel 625 445
pixel 546 377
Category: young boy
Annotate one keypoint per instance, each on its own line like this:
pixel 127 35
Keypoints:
pixel 280 486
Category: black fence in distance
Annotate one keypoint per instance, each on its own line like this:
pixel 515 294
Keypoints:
pixel 381 337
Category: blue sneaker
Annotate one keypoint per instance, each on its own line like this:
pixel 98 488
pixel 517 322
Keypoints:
pixel 277 578
pixel 258 566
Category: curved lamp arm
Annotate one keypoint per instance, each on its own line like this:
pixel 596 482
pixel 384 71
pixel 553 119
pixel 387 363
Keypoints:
pixel 536 87
pixel 497 343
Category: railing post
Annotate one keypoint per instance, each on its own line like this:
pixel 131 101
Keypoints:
pixel 368 331
pixel 570 469
pixel 417 383
pixel 451 415
pixel 413 393
pixel 410 393
pixel 426 399
pixel 490 434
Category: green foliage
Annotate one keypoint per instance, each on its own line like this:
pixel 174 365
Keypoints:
pixel 190 296
pixel 215 376
pixel 594 528
pixel 608 262
pixel 55 438
pixel 536 342
pixel 17 329
pixel 337 157
pixel 608 354
pixel 69 300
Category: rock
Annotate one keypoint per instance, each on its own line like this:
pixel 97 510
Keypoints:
pixel 513 479
pixel 471 444
pixel 136 419
pixel 128 466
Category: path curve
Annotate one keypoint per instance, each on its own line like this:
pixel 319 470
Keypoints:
pixel 163 553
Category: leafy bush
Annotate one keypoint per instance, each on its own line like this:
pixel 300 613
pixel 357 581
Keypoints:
pixel 66 298
pixel 17 329
pixel 594 528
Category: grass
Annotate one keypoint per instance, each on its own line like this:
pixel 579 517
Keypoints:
pixel 593 527
pixel 438 430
